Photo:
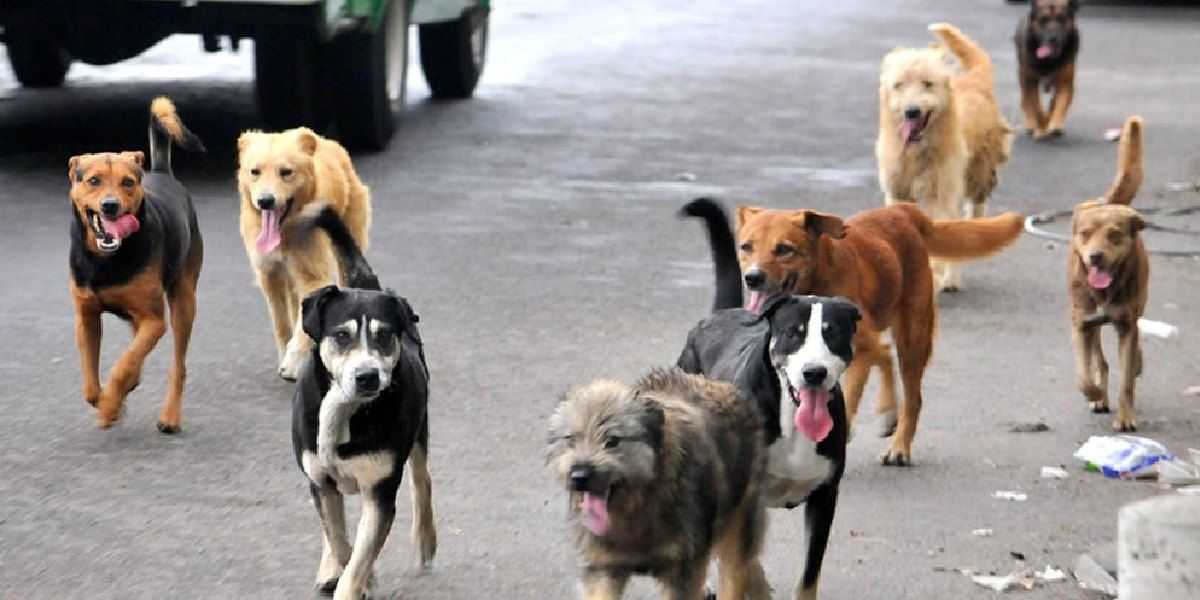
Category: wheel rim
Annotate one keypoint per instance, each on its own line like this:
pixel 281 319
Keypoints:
pixel 479 41
pixel 396 30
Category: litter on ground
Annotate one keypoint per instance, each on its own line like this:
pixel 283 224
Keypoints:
pixel 1122 455
pixel 1054 473
pixel 1009 495
pixel 1092 576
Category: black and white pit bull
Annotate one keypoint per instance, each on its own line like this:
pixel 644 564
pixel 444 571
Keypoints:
pixel 359 413
pixel 789 359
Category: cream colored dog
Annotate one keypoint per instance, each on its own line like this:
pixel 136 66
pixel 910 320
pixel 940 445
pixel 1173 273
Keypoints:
pixel 941 134
pixel 278 175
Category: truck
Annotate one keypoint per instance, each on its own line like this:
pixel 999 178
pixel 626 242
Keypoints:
pixel 336 66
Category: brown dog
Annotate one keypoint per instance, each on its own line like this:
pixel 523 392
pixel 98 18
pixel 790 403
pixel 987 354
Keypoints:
pixel 1107 274
pixel 278 175
pixel 1047 43
pixel 879 260
pixel 134 240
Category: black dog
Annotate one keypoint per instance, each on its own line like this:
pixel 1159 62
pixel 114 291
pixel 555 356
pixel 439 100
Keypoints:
pixel 789 359
pixel 1047 42
pixel 359 412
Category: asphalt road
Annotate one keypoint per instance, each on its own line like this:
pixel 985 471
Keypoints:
pixel 533 229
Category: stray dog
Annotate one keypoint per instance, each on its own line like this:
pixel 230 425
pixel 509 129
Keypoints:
pixel 359 413
pixel 660 474
pixel 1047 42
pixel 1108 274
pixel 134 240
pixel 278 175
pixel 942 137
pixel 878 260
pixel 788 361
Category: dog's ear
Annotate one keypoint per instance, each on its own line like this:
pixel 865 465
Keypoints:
pixel 73 172
pixel 1072 7
pixel 137 156
pixel 245 139
pixel 772 303
pixel 312 311
pixel 308 141
pixel 746 211
pixel 819 224
pixel 851 308
pixel 1136 223
pixel 652 419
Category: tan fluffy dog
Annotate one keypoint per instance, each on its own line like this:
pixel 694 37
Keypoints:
pixel 278 175
pixel 1107 274
pixel 941 134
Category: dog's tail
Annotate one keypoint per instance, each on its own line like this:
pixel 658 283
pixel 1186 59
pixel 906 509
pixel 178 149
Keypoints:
pixel 357 271
pixel 973 58
pixel 968 239
pixel 1129 164
pixel 165 127
pixel 724 255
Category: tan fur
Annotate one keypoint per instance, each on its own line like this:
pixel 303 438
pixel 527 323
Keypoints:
pixel 962 146
pixel 878 259
pixel 1107 235
pixel 321 172
pixel 654 511
pixel 164 110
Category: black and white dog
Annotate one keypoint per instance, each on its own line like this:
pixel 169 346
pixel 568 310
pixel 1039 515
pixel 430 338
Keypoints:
pixel 359 413
pixel 789 359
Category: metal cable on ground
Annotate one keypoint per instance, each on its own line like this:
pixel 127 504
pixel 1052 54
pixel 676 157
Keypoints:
pixel 1033 225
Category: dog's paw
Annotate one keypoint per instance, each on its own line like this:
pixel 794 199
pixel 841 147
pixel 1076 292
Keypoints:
pixel 1100 408
pixel 709 594
pixel 327 587
pixel 1124 425
pixel 887 423
pixel 1056 132
pixel 168 428
pixel 894 458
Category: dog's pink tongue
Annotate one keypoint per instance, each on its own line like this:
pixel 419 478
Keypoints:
pixel 1044 51
pixel 812 417
pixel 910 129
pixel 123 227
pixel 1099 278
pixel 593 512
pixel 756 302
pixel 268 238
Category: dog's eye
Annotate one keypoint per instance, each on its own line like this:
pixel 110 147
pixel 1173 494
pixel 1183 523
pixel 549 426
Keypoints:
pixel 93 180
pixel 569 439
pixel 1115 237
pixel 783 250
pixel 897 85
pixel 256 172
pixel 1043 21
pixel 612 442
pixel 747 247
pixel 384 341
pixel 342 337
pixel 285 172
pixel 127 182
pixel 928 84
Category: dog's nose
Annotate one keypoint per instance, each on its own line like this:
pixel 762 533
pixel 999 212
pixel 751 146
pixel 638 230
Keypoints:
pixel 755 278
pixel 912 112
pixel 110 207
pixel 366 379
pixel 814 374
pixel 580 476
pixel 1096 258
pixel 266 202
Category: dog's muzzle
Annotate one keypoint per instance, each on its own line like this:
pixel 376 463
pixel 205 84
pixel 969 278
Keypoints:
pixel 265 202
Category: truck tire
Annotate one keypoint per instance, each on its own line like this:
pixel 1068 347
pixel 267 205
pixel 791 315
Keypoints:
pixel 453 53
pixel 289 82
pixel 368 69
pixel 39 58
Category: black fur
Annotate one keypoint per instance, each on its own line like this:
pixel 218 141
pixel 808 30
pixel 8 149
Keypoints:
pixel 724 254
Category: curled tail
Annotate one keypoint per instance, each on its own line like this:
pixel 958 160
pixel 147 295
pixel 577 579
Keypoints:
pixel 357 270
pixel 724 255
pixel 968 239
pixel 166 127
pixel 972 57
pixel 1129 164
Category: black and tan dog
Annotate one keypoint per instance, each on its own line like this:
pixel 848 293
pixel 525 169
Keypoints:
pixel 135 249
pixel 1047 44
pixel 660 475
pixel 359 413
pixel 1108 274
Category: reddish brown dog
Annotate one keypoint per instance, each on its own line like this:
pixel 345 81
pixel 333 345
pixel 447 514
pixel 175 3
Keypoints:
pixel 879 259
pixel 1108 274
pixel 134 241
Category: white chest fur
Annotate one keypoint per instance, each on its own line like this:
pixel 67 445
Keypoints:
pixel 350 474
pixel 794 470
